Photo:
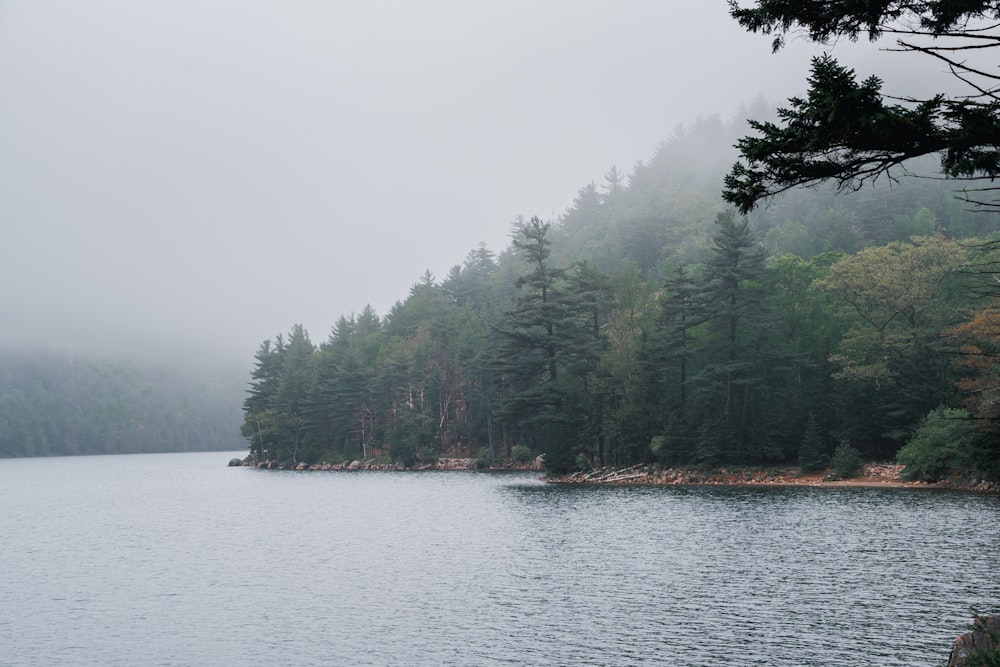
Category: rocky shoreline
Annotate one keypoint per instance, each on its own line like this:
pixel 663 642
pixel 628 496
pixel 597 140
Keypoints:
pixel 875 475
pixel 878 475
pixel 373 464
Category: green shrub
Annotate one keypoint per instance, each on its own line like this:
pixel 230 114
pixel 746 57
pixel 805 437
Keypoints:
pixel 521 454
pixel 484 458
pixel 846 462
pixel 940 442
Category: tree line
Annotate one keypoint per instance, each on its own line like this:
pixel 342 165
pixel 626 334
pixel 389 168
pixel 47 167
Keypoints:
pixel 54 404
pixel 651 324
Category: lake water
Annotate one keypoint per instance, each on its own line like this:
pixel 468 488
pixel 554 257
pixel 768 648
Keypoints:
pixel 175 559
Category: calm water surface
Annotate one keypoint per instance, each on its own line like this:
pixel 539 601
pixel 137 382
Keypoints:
pixel 175 559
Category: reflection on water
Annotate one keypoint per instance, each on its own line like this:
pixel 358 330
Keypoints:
pixel 176 559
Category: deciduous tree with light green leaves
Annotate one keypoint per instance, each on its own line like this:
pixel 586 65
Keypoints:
pixel 896 300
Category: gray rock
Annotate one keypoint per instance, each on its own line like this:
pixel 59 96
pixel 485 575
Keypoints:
pixel 984 638
pixel 235 463
pixel 354 465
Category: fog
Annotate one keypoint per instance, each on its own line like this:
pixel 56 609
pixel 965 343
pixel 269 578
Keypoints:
pixel 181 175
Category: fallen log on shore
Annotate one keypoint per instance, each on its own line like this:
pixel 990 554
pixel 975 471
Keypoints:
pixel 621 478
pixel 605 475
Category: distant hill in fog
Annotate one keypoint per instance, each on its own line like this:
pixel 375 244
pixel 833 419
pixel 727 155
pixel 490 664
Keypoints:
pixel 57 403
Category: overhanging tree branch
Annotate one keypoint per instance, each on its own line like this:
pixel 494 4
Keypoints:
pixel 844 131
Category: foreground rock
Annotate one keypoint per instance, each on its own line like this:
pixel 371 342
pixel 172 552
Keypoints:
pixel 972 648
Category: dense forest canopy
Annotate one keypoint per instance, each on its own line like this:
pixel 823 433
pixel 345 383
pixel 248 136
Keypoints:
pixel 649 323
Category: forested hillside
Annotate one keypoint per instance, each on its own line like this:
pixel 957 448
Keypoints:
pixel 56 403
pixel 650 323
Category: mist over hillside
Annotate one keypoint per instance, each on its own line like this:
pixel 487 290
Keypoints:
pixel 195 180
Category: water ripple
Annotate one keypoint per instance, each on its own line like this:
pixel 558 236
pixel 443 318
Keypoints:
pixel 177 560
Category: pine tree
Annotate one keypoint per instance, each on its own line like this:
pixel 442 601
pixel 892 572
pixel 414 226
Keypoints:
pixel 541 365
pixel 812 450
pixel 260 425
pixel 732 305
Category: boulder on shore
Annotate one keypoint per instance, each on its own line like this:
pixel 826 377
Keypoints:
pixel 234 463
pixel 983 639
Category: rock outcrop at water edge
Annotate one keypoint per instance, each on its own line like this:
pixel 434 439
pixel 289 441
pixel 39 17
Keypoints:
pixel 983 641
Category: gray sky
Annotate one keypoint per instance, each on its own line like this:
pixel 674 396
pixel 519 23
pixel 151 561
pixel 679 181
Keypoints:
pixel 177 173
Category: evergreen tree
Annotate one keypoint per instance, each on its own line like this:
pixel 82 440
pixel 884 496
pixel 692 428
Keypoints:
pixel 679 317
pixel 274 420
pixel 667 358
pixel 812 450
pixel 543 398
pixel 294 381
pixel 260 424
pixel 588 303
pixel 730 383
